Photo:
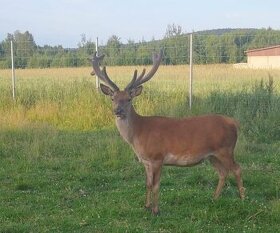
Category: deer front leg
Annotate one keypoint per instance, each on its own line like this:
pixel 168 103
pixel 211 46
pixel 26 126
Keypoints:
pixel 153 171
pixel 149 185
pixel 156 185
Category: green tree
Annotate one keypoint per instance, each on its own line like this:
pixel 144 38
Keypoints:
pixel 173 30
pixel 129 53
pixel 24 48
pixel 113 48
pixel 86 49
pixel 5 57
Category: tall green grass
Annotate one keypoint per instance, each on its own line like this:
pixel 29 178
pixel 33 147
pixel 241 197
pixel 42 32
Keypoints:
pixel 59 96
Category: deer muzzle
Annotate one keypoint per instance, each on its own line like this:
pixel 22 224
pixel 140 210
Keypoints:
pixel 119 112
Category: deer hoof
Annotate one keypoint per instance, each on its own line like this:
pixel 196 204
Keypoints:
pixel 147 207
pixel 155 211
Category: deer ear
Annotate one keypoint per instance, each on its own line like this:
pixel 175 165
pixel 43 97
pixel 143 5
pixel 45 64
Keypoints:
pixel 106 90
pixel 136 91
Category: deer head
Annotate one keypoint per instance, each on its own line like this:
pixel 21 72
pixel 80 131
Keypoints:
pixel 122 99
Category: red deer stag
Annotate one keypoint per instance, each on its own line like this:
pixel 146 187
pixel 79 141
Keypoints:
pixel 159 141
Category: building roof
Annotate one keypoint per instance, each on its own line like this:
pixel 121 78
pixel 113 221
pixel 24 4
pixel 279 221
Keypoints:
pixel 267 51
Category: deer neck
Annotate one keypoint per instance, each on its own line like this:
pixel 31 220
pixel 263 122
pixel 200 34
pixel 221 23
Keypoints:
pixel 126 126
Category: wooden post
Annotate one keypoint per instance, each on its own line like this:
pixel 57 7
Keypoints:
pixel 97 82
pixel 13 72
pixel 191 71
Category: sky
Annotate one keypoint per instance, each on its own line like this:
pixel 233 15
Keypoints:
pixel 62 22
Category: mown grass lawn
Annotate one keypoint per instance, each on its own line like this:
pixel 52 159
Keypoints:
pixel 53 181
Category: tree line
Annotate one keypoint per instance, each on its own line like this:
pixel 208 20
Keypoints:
pixel 212 46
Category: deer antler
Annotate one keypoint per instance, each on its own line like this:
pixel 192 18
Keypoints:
pixel 142 78
pixel 102 74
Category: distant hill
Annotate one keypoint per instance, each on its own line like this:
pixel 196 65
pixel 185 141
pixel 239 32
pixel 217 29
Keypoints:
pixel 222 31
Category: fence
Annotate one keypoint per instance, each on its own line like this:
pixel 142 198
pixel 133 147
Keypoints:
pixel 196 48
pixel 207 49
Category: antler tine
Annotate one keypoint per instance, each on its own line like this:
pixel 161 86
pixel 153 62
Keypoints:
pixel 141 75
pixel 108 80
pixel 95 64
pixel 102 74
pixel 134 79
pixel 142 79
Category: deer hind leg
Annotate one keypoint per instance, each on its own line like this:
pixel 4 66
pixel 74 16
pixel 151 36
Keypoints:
pixel 236 170
pixel 226 160
pixel 222 172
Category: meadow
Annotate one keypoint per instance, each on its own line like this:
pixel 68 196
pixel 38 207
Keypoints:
pixel 64 167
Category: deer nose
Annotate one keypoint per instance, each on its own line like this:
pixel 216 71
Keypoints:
pixel 118 111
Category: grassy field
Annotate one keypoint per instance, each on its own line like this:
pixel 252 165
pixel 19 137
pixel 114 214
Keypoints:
pixel 64 167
